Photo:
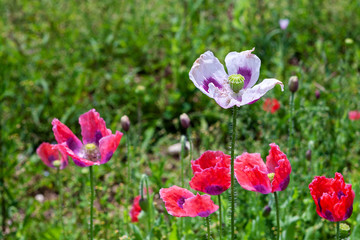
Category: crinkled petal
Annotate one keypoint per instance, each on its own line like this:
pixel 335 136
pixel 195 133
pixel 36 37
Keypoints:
pixel 64 135
pixel 251 95
pixel 49 153
pixel 174 199
pixel 201 206
pixel 108 145
pixel 81 162
pixel 210 159
pixel 251 173
pixel 208 71
pixel 93 127
pixel 213 181
pixel 246 64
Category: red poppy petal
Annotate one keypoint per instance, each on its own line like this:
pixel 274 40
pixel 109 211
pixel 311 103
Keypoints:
pixel 48 153
pixel 211 159
pixel 174 198
pixel 275 105
pixel 275 155
pixel 213 181
pixel 135 209
pixel 201 206
pixel 282 176
pixel 251 173
pixel 81 162
pixel 108 145
pixel 93 127
pixel 64 135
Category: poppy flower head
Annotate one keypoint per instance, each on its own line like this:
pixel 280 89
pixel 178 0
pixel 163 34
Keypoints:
pixel 213 181
pixel 253 175
pixel 333 197
pixel 271 105
pixel 284 23
pixel 354 115
pixel 237 87
pixel 49 153
pixel 180 202
pixel 211 159
pixel 98 145
pixel 135 209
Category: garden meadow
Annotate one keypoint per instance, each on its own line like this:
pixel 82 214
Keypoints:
pixel 179 120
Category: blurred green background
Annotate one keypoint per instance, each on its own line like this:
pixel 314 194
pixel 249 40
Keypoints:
pixel 59 59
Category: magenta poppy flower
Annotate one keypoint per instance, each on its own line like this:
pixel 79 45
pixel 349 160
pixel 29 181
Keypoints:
pixel 211 173
pixel 354 115
pixel 180 202
pixel 135 209
pixel 49 153
pixel 236 87
pixel 284 23
pixel 333 197
pixel 98 145
pixel 253 175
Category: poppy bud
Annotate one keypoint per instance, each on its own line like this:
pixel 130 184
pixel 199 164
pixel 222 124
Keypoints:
pixel 317 94
pixel 125 123
pixel 266 211
pixel 185 120
pixel 344 230
pixel 144 204
pixel 293 83
pixel 308 155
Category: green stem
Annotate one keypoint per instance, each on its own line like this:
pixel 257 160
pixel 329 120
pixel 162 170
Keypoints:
pixel 128 168
pixel 190 142
pixel 91 202
pixel 59 185
pixel 220 217
pixel 338 230
pixel 277 215
pixel 291 125
pixel 182 156
pixel 233 138
pixel 208 228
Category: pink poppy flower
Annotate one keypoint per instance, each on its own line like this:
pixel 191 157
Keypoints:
pixel 271 105
pixel 180 202
pixel 211 173
pixel 284 23
pixel 333 197
pixel 135 209
pixel 236 87
pixel 253 175
pixel 354 115
pixel 49 153
pixel 98 145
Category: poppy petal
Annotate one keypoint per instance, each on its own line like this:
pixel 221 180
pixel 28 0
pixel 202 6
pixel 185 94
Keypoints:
pixel 108 145
pixel 79 161
pixel 201 206
pixel 174 198
pixel 48 153
pixel 135 209
pixel 64 135
pixel 93 127
pixel 213 181
pixel 210 159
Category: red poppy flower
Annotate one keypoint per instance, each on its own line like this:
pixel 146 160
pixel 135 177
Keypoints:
pixel 98 146
pixel 211 173
pixel 354 115
pixel 180 202
pixel 49 153
pixel 333 197
pixel 271 105
pixel 253 175
pixel 135 209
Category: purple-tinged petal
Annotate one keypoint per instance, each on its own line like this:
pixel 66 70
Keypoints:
pixel 253 94
pixel 108 146
pixel 81 162
pixel 64 135
pixel 93 127
pixel 246 64
pixel 284 23
pixel 48 153
pixel 207 72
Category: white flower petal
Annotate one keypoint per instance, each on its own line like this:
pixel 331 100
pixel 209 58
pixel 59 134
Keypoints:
pixel 207 70
pixel 246 64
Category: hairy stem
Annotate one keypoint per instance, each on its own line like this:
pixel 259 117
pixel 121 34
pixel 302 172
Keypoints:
pixel 208 228
pixel 233 138
pixel 59 185
pixel 220 217
pixel 277 216
pixel 338 230
pixel 91 202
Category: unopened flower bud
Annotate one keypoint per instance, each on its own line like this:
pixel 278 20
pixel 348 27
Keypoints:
pixel 125 123
pixel 317 94
pixel 293 83
pixel 344 230
pixel 56 163
pixel 349 41
pixel 236 82
pixel 266 211
pixel 308 155
pixel 144 204
pixel 185 120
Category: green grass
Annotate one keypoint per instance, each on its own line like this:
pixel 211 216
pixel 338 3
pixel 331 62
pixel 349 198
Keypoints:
pixel 62 58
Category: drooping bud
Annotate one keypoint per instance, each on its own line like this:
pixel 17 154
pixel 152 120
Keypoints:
pixel 317 94
pixel 125 123
pixel 236 82
pixel 293 83
pixel 271 176
pixel 266 211
pixel 144 204
pixel 185 120
pixel 344 230
pixel 56 163
pixel 308 155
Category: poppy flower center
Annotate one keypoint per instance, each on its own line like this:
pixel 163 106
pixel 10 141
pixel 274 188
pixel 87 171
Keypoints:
pixel 271 176
pixel 91 152
pixel 56 163
pixel 236 82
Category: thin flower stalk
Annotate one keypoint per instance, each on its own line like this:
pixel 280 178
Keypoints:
pixel 91 202
pixel 233 138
